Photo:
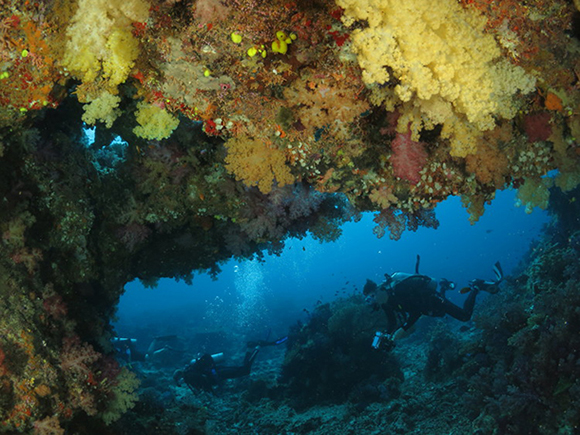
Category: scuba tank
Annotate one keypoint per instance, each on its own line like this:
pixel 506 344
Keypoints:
pixel 217 358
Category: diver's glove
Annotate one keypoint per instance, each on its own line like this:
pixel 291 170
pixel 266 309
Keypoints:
pixel 488 286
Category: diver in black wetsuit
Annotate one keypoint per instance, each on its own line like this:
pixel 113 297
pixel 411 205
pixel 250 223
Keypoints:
pixel 204 373
pixel 406 297
pixel 126 349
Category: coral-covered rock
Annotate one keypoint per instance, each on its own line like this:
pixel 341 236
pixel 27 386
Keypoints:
pixel 330 357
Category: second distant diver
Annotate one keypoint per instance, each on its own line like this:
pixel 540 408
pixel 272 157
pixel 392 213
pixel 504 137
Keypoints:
pixel 204 373
pixel 405 297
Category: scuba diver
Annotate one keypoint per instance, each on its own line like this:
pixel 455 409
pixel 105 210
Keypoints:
pixel 163 351
pixel 405 297
pixel 126 349
pixel 204 373
pixel 166 350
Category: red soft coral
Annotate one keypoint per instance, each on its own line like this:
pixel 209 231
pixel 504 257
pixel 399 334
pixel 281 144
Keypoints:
pixel 3 369
pixel 538 126
pixel 408 157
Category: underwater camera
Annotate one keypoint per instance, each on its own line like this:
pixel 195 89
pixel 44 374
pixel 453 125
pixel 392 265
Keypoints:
pixel 383 341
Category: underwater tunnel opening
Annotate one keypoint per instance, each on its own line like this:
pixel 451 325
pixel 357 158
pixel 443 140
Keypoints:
pixel 252 299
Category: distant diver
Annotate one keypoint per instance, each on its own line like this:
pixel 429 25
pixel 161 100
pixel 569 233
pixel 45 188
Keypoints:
pixel 204 373
pixel 126 349
pixel 405 297
pixel 163 349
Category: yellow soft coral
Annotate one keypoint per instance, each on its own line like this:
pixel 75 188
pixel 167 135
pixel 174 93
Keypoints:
pixel 100 43
pixel 568 180
pixel 448 70
pixel 104 108
pixel 123 49
pixel 122 396
pixel 535 192
pixel 256 164
pixel 101 49
pixel 154 122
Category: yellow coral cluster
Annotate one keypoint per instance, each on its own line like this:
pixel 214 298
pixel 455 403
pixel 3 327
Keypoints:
pixel 535 192
pixel 154 122
pixel 104 108
pixel 100 43
pixel 448 71
pixel 101 48
pixel 256 164
pixel 122 398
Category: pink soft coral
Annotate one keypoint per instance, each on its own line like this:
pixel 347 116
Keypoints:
pixel 77 357
pixel 408 157
pixel 48 426
pixel 207 11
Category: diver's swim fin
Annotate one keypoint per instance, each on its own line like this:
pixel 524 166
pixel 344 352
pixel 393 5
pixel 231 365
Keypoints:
pixel 263 343
pixel 281 340
pixel 498 272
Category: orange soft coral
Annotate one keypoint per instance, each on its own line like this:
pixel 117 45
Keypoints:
pixel 257 164
pixel 489 166
pixel 324 101
pixel 490 162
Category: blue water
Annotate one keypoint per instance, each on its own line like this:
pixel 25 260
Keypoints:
pixel 252 297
